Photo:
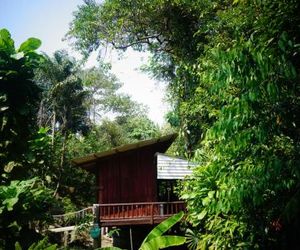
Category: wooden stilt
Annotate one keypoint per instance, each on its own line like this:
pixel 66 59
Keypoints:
pixel 96 211
pixel 100 236
pixel 65 239
pixel 131 241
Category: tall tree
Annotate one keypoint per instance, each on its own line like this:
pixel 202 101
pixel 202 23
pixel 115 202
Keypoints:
pixel 173 31
pixel 64 96
pixel 102 87
pixel 63 102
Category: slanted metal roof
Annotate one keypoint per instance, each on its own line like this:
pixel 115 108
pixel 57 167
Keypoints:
pixel 173 168
pixel 89 160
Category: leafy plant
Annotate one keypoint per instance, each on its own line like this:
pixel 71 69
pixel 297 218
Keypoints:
pixel 192 239
pixel 41 245
pixel 114 231
pixel 24 202
pixel 156 240
pixel 19 97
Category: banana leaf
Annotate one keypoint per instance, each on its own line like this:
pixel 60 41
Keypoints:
pixel 161 242
pixel 163 227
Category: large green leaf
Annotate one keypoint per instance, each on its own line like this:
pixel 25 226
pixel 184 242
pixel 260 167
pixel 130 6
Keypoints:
pixel 41 245
pixel 163 227
pixel 18 246
pixel 30 44
pixel 161 242
pixel 6 43
pixel 10 202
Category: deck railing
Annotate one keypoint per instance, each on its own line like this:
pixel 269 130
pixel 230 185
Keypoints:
pixel 140 213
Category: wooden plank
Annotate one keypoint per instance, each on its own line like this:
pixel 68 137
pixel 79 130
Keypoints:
pixel 133 221
pixel 62 229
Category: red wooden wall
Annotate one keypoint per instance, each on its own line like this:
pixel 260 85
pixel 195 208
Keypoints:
pixel 128 176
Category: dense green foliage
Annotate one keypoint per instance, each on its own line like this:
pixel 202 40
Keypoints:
pixel 76 107
pixel 168 29
pixel 24 201
pixel 41 245
pixel 232 69
pixel 18 98
pixel 233 74
pixel 246 192
pixel 51 111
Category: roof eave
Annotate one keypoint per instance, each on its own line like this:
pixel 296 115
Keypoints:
pixel 86 161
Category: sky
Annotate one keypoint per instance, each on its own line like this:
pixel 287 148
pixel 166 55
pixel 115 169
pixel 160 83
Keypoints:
pixel 49 21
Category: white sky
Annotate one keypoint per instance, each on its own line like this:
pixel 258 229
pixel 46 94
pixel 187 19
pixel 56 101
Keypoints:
pixel 49 20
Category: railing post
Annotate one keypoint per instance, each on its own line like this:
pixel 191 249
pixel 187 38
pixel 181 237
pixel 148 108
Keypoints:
pixel 161 209
pixel 151 210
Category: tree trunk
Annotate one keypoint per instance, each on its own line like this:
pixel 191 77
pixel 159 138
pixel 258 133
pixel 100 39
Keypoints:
pixel 62 161
pixel 53 128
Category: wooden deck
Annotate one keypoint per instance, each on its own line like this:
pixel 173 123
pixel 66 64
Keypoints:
pixel 143 213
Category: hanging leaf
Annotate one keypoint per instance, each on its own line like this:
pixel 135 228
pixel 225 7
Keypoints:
pixel 30 45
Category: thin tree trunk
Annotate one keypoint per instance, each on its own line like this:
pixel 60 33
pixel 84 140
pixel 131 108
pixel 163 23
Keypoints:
pixel 62 161
pixel 40 116
pixel 53 128
pixel 94 107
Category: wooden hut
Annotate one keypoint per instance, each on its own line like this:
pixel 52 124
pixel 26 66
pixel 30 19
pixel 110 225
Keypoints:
pixel 127 183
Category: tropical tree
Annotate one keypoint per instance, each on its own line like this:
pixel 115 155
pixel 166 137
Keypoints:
pixel 102 87
pixel 62 106
pixel 170 31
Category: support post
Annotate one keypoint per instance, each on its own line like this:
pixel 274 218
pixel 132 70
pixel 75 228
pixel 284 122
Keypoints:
pixel 66 236
pixel 131 240
pixel 96 212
